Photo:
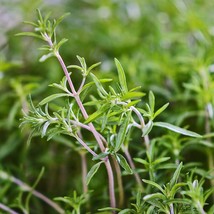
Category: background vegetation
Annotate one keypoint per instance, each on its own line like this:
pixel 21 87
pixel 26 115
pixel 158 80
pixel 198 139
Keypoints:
pixel 165 46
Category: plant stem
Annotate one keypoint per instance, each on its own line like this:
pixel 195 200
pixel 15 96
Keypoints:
pixel 131 163
pixel 111 183
pixel 142 122
pixel 7 209
pixel 209 151
pixel 84 171
pixel 25 187
pixel 85 115
pixel 85 146
pixel 120 182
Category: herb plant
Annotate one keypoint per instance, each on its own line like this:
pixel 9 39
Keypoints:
pixel 101 118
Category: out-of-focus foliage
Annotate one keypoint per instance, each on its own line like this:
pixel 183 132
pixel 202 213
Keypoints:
pixel 165 46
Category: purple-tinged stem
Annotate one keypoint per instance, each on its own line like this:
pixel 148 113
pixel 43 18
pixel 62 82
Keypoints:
pixel 84 171
pixel 146 137
pixel 120 183
pixel 85 146
pixel 85 115
pixel 25 187
pixel 7 209
pixel 131 163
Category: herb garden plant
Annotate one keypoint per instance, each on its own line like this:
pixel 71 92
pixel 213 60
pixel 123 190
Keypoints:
pixel 104 120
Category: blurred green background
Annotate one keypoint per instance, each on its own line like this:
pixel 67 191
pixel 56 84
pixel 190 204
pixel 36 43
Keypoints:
pixel 164 45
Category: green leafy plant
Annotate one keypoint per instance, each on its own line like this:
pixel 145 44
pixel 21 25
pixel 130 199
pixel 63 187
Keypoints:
pixel 115 112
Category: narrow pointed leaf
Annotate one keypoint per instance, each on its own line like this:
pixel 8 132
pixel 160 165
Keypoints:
pixel 92 172
pixel 98 113
pixel 151 101
pixel 122 133
pixel 177 129
pixel 29 34
pixel 99 85
pixel 45 57
pixel 101 156
pixel 160 160
pixel 123 163
pixel 147 128
pixel 132 95
pixel 53 97
pixel 122 76
pixel 154 196
pixel 160 110
pixel 175 177
pixel 154 184
pixel 92 67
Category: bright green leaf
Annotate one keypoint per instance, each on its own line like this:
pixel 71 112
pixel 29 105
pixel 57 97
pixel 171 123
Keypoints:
pixel 98 113
pixel 53 97
pixel 151 101
pixel 99 85
pixel 160 160
pixel 176 129
pixel 132 95
pixel 122 133
pixel 176 174
pixel 29 34
pixel 140 160
pixel 154 184
pixel 160 110
pixel 92 172
pixel 123 163
pixel 153 196
pixel 122 77
pixel 147 128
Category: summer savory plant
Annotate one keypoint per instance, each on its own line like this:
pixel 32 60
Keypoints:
pixel 101 118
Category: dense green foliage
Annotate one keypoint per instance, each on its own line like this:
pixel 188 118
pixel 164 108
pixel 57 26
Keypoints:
pixel 149 133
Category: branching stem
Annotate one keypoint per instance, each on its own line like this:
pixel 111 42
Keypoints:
pixel 85 115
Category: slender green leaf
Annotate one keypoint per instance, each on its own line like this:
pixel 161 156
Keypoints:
pixel 108 209
pixel 175 188
pixel 63 41
pixel 160 110
pixel 122 133
pixel 140 160
pixel 29 34
pixel 99 85
pixel 53 97
pixel 152 101
pixel 154 184
pixel 60 19
pixel 123 163
pixel 160 160
pixel 101 156
pixel 122 76
pixel 176 174
pixel 92 67
pixel 133 103
pixel 98 113
pixel 132 95
pixel 176 129
pixel 154 196
pixel 46 56
pixel 147 128
pixel 125 211
pixel 92 172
